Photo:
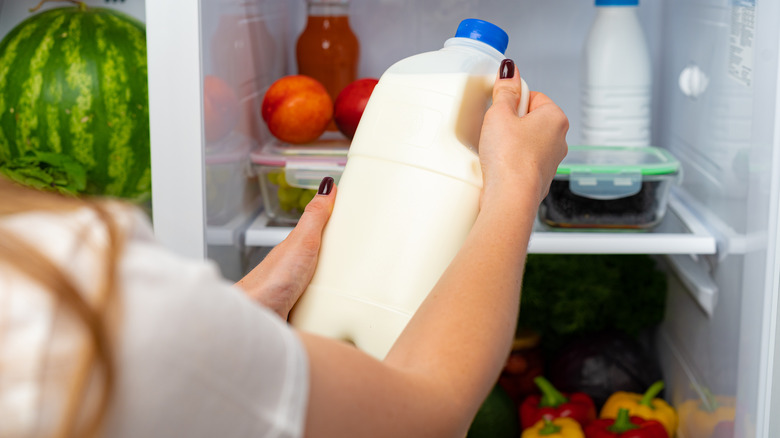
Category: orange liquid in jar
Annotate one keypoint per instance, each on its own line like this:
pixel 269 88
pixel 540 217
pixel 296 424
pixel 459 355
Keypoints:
pixel 328 51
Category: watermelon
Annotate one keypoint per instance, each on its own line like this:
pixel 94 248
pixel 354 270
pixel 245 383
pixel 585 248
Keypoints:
pixel 73 81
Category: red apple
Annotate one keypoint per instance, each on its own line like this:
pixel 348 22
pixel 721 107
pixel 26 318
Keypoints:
pixel 297 109
pixel 220 108
pixel 350 104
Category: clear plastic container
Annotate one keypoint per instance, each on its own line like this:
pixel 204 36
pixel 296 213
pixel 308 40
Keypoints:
pixel 610 187
pixel 229 190
pixel 289 176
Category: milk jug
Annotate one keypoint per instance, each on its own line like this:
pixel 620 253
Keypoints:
pixel 409 192
pixel 616 78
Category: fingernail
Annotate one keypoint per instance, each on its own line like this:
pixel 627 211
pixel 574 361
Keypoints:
pixel 325 186
pixel 507 70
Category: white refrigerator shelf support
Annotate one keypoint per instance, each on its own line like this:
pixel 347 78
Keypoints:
pixel 230 233
pixel 681 232
pixel 696 275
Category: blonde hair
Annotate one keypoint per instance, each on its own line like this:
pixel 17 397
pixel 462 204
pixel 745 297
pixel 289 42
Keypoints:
pixel 97 360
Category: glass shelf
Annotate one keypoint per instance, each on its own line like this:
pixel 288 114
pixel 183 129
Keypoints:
pixel 681 232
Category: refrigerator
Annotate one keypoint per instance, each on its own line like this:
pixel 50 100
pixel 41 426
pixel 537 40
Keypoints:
pixel 715 106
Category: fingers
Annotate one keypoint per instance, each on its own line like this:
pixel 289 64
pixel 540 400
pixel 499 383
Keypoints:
pixel 537 100
pixel 542 106
pixel 316 213
pixel 508 88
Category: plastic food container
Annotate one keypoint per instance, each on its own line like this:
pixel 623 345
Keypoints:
pixel 289 176
pixel 610 187
pixel 228 175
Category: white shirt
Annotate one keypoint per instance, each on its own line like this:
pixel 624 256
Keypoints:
pixel 195 356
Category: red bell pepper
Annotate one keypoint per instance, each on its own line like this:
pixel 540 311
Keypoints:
pixel 625 426
pixel 553 404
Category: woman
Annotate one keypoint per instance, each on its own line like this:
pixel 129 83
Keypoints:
pixel 103 332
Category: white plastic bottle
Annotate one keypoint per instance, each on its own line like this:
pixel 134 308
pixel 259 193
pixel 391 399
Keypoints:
pixel 616 78
pixel 409 193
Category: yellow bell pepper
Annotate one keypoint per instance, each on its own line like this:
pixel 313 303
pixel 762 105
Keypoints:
pixel 699 418
pixel 561 427
pixel 643 405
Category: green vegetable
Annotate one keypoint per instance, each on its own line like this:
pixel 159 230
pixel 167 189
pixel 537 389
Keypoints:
pixel 497 417
pixel 568 295
pixel 291 199
pixel 73 81
pixel 46 171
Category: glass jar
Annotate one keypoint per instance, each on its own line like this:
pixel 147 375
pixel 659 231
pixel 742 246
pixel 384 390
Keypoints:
pixel 244 54
pixel 327 49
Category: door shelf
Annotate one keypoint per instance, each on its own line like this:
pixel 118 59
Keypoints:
pixel 681 232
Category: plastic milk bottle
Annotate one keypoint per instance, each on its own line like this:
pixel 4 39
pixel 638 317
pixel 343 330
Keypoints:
pixel 616 78
pixel 409 193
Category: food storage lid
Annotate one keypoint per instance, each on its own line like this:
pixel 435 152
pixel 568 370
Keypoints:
pixel 617 2
pixel 304 166
pixel 615 159
pixel 610 172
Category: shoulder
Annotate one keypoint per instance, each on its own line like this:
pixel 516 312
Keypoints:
pixel 191 342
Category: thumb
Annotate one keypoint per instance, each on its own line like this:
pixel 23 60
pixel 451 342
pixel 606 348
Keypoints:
pixel 508 88
pixel 316 213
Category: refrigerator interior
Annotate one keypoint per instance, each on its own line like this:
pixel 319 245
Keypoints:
pixel 714 106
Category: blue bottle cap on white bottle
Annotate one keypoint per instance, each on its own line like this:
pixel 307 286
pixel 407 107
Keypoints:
pixel 617 2
pixel 481 30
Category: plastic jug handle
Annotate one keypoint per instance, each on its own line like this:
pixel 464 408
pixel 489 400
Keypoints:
pixel 522 107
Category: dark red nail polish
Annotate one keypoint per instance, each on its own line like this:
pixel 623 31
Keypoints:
pixel 507 70
pixel 325 186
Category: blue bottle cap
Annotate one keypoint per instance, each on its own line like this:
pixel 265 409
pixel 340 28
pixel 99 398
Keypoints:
pixel 481 30
pixel 617 2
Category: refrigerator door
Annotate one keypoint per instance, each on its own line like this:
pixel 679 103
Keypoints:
pixel 176 114
pixel 719 117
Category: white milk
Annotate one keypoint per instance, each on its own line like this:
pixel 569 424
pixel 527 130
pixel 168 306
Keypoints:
pixel 616 78
pixel 407 198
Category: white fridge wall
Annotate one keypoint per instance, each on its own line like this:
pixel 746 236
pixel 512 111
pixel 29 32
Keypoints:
pixel 711 132
pixel 545 37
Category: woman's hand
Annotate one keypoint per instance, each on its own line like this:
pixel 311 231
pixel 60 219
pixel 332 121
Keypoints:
pixel 280 279
pixel 520 150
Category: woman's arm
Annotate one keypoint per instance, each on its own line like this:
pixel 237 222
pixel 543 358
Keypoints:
pixel 444 363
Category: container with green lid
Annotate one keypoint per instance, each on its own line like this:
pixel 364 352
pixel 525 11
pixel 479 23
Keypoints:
pixel 610 187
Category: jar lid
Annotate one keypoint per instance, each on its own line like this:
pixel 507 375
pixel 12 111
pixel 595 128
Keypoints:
pixel 484 31
pixel 647 160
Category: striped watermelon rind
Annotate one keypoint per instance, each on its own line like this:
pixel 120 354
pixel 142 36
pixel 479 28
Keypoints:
pixel 73 81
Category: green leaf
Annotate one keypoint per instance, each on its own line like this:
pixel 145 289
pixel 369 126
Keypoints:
pixel 564 296
pixel 47 171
